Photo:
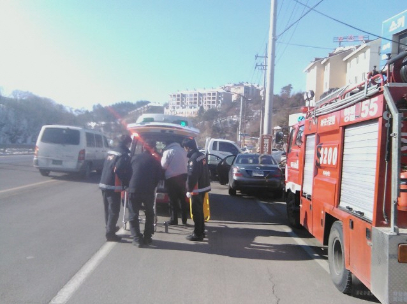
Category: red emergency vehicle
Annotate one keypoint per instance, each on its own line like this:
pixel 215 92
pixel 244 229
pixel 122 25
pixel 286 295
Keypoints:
pixel 346 181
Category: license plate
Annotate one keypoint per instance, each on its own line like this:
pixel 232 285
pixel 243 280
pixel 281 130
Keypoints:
pixel 56 162
pixel 258 173
pixel 160 196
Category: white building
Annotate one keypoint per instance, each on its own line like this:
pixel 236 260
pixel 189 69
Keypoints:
pixel 188 102
pixel 361 61
pixel 348 66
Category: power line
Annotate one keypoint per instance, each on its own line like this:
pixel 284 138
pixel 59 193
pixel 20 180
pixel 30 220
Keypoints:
pixel 344 23
pixel 309 46
pixel 289 40
pixel 292 24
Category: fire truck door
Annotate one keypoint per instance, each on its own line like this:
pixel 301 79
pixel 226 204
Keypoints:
pixel 359 169
pixel 358 192
pixel 307 183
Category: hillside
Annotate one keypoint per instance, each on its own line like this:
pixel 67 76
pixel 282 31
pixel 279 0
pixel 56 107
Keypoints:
pixel 23 115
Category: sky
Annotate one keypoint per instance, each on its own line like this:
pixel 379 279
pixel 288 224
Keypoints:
pixel 81 53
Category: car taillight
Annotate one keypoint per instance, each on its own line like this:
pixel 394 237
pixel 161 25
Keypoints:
pixel 236 172
pixel 276 174
pixel 81 155
pixel 36 151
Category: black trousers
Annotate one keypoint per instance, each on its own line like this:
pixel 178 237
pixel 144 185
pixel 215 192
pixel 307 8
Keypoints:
pixel 135 202
pixel 176 188
pixel 198 214
pixel 111 201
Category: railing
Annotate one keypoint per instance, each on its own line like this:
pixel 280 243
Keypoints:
pixel 17 148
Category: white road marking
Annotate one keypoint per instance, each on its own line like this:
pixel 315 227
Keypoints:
pixel 28 186
pixel 267 210
pixel 69 289
pixel 307 249
pixel 299 241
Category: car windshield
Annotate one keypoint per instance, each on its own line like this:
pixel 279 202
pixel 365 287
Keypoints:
pixel 255 159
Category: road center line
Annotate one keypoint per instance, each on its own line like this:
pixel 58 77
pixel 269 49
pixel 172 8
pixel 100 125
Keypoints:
pixel 27 186
pixel 298 240
pixel 76 281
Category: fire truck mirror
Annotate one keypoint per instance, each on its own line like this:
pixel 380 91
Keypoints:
pixel 279 137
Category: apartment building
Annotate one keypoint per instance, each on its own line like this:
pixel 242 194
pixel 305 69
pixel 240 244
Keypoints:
pixel 361 61
pixel 348 66
pixel 327 73
pixel 187 103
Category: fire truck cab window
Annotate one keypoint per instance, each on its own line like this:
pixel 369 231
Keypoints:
pixel 298 138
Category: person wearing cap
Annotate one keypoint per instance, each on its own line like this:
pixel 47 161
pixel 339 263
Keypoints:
pixel 115 177
pixel 198 183
pixel 146 173
pixel 174 162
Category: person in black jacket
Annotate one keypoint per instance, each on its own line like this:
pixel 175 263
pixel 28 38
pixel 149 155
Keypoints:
pixel 198 183
pixel 147 172
pixel 115 177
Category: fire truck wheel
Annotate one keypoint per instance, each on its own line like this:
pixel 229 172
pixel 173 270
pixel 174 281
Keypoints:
pixel 293 214
pixel 341 277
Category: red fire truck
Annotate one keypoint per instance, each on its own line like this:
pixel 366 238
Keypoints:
pixel 346 181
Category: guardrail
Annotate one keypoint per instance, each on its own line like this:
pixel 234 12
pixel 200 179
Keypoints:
pixel 17 148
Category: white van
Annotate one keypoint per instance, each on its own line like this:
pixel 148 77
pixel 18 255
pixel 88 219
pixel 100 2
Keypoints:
pixel 70 149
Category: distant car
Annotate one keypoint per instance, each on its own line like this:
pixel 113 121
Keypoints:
pixel 251 173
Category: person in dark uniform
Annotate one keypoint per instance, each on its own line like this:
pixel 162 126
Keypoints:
pixel 147 172
pixel 115 177
pixel 198 183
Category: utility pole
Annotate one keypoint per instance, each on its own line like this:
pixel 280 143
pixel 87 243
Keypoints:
pixel 270 75
pixel 264 68
pixel 240 122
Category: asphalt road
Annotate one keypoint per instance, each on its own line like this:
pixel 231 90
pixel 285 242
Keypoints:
pixel 53 250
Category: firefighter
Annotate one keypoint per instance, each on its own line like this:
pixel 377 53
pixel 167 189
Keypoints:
pixel 198 184
pixel 115 177
pixel 375 72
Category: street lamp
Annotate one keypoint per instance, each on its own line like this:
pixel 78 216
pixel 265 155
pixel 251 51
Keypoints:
pixel 241 116
pixel 239 132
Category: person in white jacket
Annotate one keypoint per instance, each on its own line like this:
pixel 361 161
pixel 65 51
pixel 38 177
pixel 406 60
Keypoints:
pixel 174 162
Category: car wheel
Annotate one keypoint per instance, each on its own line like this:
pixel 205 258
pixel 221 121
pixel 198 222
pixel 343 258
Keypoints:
pixel 341 277
pixel 88 170
pixel 45 172
pixel 232 191
pixel 293 214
